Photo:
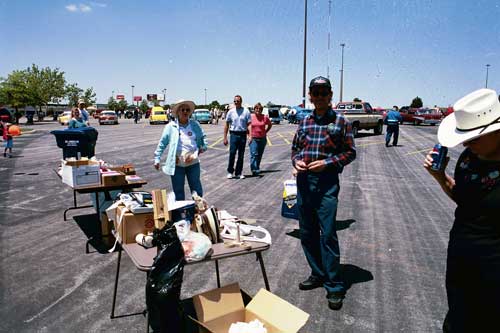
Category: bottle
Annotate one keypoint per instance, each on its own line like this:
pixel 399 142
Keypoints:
pixel 438 157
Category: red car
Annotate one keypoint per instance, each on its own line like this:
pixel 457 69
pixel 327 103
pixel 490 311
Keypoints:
pixel 421 116
pixel 108 117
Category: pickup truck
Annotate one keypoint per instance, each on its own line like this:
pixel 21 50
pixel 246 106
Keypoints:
pixel 362 116
pixel 420 116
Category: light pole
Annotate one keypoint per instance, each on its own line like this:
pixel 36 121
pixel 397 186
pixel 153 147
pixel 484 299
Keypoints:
pixel 113 94
pixel 305 52
pixel 487 69
pixel 342 74
pixel 132 99
pixel 205 96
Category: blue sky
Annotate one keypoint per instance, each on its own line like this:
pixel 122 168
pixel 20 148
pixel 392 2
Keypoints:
pixel 395 50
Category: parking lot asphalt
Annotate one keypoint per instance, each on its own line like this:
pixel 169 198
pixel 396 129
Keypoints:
pixel 393 223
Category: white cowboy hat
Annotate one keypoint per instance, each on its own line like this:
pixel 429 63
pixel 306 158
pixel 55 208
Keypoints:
pixel 475 115
pixel 190 104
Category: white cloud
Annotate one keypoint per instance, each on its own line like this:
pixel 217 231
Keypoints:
pixel 85 8
pixel 72 8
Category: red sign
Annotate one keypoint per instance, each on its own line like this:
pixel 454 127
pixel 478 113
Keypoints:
pixel 120 96
pixel 137 98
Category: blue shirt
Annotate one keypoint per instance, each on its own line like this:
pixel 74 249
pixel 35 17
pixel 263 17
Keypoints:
pixel 238 119
pixel 393 118
pixel 85 115
pixel 76 123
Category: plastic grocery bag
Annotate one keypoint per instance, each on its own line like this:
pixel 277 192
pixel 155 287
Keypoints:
pixel 163 286
pixel 289 207
pixel 196 246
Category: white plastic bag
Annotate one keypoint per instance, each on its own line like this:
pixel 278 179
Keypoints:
pixel 196 246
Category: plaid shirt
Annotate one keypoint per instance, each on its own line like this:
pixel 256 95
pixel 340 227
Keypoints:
pixel 327 138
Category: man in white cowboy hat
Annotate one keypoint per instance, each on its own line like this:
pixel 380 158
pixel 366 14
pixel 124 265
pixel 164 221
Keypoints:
pixel 185 140
pixel 473 263
pixel 83 111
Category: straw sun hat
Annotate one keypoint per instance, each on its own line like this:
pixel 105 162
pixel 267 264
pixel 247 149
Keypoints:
pixel 475 115
pixel 177 104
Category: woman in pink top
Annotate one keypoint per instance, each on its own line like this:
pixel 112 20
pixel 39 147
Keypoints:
pixel 259 127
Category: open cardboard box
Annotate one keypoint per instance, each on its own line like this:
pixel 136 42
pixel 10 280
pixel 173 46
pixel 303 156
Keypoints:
pixel 217 309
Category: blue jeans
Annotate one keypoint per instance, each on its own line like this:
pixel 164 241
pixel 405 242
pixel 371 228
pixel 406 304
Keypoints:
pixel 192 173
pixel 257 147
pixel 237 143
pixel 390 130
pixel 317 200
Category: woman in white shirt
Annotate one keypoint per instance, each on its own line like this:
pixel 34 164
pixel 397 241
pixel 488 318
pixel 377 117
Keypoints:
pixel 185 140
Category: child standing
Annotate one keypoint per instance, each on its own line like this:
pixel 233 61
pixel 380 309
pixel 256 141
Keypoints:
pixel 7 138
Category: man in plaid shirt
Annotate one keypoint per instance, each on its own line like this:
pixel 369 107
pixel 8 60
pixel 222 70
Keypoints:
pixel 322 146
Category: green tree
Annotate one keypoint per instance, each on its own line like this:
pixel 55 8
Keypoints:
pixel 73 93
pixel 14 91
pixel 122 105
pixel 144 106
pixel 416 103
pixel 356 100
pixel 89 96
pixel 112 104
pixel 44 85
pixel 214 105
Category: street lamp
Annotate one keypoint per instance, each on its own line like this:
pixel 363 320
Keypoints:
pixel 164 95
pixel 205 96
pixel 132 99
pixel 342 74
pixel 113 94
pixel 487 69
pixel 305 52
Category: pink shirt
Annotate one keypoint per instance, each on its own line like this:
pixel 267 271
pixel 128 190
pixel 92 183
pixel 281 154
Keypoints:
pixel 258 125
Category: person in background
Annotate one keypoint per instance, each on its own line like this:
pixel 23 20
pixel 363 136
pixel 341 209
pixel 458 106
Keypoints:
pixel 136 115
pixel 7 138
pixel 322 146
pixel 185 140
pixel 83 112
pixel 237 121
pixel 392 120
pixel 473 262
pixel 76 119
pixel 259 126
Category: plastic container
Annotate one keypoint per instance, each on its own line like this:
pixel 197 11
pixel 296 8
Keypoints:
pixel 77 142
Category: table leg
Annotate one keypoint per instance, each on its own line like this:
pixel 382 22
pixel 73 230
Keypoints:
pixel 98 222
pixel 147 312
pixel 116 280
pixel 75 206
pixel 263 269
pixel 217 273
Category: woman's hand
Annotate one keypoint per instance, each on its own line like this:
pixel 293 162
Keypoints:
pixel 188 159
pixel 157 166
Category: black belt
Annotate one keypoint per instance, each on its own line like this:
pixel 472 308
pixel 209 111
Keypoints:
pixel 238 132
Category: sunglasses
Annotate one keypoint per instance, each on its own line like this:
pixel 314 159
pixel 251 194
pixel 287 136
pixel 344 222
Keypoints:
pixel 185 110
pixel 236 101
pixel 322 93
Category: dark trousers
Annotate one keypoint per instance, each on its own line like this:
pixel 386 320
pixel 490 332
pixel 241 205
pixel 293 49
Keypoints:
pixel 317 200
pixel 237 143
pixel 392 129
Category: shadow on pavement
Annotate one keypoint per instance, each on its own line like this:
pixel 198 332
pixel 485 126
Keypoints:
pixel 353 274
pixel 88 224
pixel 341 225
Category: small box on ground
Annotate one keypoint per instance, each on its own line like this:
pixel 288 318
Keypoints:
pixel 113 178
pixel 217 309
pixel 132 224
pixel 81 174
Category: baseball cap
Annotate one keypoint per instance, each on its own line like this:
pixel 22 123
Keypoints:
pixel 81 101
pixel 320 81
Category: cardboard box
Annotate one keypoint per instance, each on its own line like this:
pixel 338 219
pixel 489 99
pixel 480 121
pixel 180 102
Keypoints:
pixel 113 178
pixel 217 309
pixel 133 224
pixel 107 230
pixel 81 175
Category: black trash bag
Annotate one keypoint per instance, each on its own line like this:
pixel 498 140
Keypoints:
pixel 163 288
